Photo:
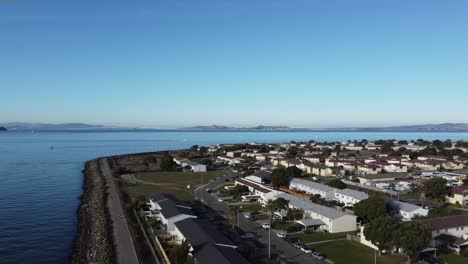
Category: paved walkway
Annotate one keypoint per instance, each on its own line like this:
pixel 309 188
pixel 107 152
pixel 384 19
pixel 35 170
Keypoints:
pixel 125 252
pixel 325 241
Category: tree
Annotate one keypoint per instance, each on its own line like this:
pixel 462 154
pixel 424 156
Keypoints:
pixel 180 255
pixel 436 188
pixel 387 147
pixel 207 162
pixel 371 208
pixel 272 206
pixel 292 152
pixel 295 214
pixel 380 231
pixel 337 183
pixel 293 172
pixel 412 237
pixel 194 148
pixel 167 163
pixel 279 178
pixel 238 190
pixel 232 214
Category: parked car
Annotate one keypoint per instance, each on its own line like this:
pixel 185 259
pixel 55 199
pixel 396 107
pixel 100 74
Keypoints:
pixel 266 226
pixel 220 200
pixel 317 255
pixel 247 236
pixel 306 250
pixel 429 258
pixel 297 245
pixel 291 240
pixel 281 234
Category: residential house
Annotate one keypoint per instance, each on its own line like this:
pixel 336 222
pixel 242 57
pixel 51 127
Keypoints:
pixel 169 211
pixel 325 218
pixel 207 245
pixel 407 211
pixel 194 166
pixel 312 188
pixel 458 195
pixel 349 197
pixel 448 231
pixel 258 191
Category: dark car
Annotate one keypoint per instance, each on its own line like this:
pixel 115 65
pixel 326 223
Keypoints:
pixel 431 259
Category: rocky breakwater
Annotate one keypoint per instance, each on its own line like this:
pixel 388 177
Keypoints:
pixel 93 242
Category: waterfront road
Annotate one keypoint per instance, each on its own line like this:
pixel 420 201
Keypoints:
pixel 125 252
pixel 278 245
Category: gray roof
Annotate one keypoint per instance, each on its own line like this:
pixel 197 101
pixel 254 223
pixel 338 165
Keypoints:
pixel 204 239
pixel 406 207
pixel 170 207
pixel 353 193
pixel 313 185
pixel 307 205
pixel 310 222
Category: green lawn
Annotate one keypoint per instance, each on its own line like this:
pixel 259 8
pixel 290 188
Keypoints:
pixel 174 183
pixel 350 252
pixel 452 258
pixel 282 225
pixel 251 207
pixel 318 236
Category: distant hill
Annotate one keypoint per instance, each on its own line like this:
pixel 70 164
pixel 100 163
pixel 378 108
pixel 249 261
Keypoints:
pixel 17 126
pixel 446 127
pixel 216 127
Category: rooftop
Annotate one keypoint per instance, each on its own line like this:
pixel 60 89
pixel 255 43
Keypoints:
pixel 445 222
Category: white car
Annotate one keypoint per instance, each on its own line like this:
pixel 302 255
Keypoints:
pixel 220 200
pixel 306 250
pixel 281 235
pixel 266 226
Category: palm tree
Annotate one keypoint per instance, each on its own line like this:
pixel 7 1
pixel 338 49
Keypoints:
pixel 232 213
pixel 272 206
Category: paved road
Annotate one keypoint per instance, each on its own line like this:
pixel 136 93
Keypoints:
pixel 278 245
pixel 125 252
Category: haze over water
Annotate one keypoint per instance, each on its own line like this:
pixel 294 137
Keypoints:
pixel 42 180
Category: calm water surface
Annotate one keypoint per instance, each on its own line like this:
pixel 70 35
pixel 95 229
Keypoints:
pixel 40 187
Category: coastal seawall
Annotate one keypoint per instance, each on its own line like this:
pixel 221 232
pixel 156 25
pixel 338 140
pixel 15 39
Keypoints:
pixel 93 242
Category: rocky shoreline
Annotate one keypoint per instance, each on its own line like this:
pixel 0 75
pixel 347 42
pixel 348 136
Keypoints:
pixel 93 241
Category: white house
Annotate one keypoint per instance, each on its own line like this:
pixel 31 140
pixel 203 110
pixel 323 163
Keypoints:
pixel 407 211
pixel 312 188
pixel 448 231
pixel 258 192
pixel 325 218
pixel 169 211
pixel 349 197
pixel 194 166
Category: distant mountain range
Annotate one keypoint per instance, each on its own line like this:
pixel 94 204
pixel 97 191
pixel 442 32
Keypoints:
pixel 447 127
pixel 18 126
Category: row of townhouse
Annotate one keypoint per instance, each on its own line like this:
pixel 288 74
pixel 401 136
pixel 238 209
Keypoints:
pixel 194 166
pixel 434 164
pixel 348 197
pixel 229 160
pixel 207 245
pixel 258 191
pixel 318 217
pixel 309 167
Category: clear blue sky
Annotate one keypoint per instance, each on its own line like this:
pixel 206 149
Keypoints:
pixel 172 63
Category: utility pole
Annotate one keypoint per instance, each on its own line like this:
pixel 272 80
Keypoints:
pixel 375 256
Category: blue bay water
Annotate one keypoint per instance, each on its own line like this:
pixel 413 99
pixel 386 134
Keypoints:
pixel 40 186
